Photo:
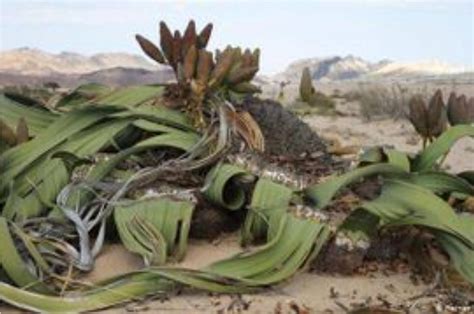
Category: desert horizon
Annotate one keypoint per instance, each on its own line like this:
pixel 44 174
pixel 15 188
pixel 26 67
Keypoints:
pixel 151 162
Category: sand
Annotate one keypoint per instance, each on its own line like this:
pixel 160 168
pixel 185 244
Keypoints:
pixel 306 290
pixel 316 293
pixel 354 131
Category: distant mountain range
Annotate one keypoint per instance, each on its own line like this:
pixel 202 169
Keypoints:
pixel 28 61
pixel 354 68
pixel 28 66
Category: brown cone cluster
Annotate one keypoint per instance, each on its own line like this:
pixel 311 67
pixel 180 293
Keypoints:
pixel 199 72
pixel 430 120
pixel 460 110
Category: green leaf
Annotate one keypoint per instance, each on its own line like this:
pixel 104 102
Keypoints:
pixel 371 155
pixel 377 155
pixel 461 255
pixel 37 120
pixel 13 264
pixel 39 185
pixel 70 160
pixel 398 159
pixel 269 201
pixel 321 194
pixel 427 159
pixel 131 96
pixel 155 228
pixel 403 203
pixel 158 114
pixel 294 244
pixel 83 95
pixel 468 176
pixel 153 127
pixel 18 159
pixel 178 139
pixel 222 188
pixel 441 182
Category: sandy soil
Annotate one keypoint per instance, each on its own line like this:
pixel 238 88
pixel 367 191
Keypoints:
pixel 315 292
pixel 354 131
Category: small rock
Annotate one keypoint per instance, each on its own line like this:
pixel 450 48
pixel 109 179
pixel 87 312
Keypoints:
pixel 412 140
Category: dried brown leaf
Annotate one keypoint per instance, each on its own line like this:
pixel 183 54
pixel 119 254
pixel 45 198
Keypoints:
pixel 245 125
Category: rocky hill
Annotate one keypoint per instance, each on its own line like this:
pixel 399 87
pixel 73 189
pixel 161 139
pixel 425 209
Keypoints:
pixel 27 61
pixel 126 76
pixel 354 68
pixel 27 66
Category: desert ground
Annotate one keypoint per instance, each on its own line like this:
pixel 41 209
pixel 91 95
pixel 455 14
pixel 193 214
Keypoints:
pixel 305 293
pixel 357 132
pixel 310 292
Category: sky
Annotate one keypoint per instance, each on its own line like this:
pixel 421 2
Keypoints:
pixel 404 30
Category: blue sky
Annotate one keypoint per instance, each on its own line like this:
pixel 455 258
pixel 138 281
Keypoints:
pixel 406 30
